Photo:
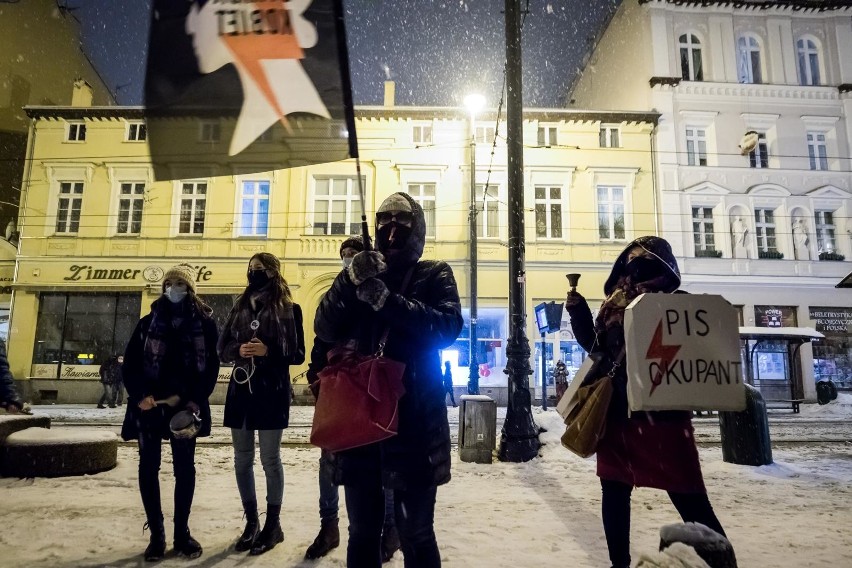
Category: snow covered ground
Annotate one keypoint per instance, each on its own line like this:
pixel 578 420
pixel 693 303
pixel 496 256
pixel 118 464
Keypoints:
pixel 793 513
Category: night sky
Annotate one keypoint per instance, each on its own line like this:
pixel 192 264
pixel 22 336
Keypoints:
pixel 436 50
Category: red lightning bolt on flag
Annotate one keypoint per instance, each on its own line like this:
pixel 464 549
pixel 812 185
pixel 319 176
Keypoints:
pixel 665 353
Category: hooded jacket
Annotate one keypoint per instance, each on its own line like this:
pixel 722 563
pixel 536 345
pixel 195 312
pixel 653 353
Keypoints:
pixel 422 319
pixel 8 393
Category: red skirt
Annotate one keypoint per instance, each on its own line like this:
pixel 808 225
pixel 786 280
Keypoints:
pixel 647 452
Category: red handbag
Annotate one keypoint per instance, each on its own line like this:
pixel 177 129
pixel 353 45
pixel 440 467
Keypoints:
pixel 358 397
pixel 358 401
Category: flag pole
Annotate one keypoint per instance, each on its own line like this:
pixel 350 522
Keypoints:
pixel 349 113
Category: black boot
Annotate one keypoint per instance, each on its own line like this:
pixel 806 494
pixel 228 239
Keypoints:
pixel 249 535
pixel 390 542
pixel 157 546
pixel 327 540
pixel 271 533
pixel 187 546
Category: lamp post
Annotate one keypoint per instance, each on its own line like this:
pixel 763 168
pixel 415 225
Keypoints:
pixel 519 438
pixel 474 104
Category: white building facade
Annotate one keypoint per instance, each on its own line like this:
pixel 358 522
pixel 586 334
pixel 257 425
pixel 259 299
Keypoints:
pixel 770 229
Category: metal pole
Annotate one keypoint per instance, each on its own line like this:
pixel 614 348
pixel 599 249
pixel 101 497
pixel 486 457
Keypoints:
pixel 543 372
pixel 473 377
pixel 519 438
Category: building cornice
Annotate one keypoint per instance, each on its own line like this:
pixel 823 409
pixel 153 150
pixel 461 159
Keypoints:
pixel 761 5
pixel 370 112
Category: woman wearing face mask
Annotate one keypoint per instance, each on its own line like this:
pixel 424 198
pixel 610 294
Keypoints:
pixel 647 449
pixel 170 365
pixel 262 337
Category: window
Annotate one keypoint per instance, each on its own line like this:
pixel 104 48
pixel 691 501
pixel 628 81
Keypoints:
pixel 488 217
pixel 422 134
pixel 547 136
pixel 492 326
pixel 696 146
pixel 608 137
pixel 610 212
pixel 424 195
pixel 68 209
pixel 210 132
pixel 336 207
pixel 484 134
pixel 193 206
pixel 72 328
pixel 690 58
pixel 548 212
pixel 817 152
pixel 808 67
pixel 764 223
pixel 824 224
pixel 254 209
pixel 748 60
pixel 759 157
pixel 137 132
pixel 76 132
pixel 702 231
pixel 131 199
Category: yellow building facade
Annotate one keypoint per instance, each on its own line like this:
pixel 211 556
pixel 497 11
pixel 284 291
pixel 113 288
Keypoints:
pixel 97 232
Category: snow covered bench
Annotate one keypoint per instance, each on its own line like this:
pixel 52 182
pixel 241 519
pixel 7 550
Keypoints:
pixel 42 452
pixel 11 423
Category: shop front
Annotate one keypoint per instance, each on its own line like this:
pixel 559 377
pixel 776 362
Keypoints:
pixel 70 317
pixel 833 353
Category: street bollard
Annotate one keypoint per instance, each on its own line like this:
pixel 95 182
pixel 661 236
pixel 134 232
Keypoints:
pixel 745 435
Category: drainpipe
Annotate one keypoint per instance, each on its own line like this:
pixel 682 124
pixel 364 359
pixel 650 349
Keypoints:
pixel 654 181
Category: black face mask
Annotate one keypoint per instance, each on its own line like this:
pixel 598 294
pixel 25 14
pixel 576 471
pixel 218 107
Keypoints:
pixel 400 236
pixel 642 269
pixel 257 279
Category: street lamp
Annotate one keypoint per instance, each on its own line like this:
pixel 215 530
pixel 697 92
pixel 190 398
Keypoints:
pixel 473 103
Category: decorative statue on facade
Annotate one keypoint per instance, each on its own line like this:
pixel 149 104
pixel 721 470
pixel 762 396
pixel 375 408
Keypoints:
pixel 739 233
pixel 801 240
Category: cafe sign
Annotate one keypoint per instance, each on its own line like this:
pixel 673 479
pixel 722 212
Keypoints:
pixel 92 372
pixel 95 273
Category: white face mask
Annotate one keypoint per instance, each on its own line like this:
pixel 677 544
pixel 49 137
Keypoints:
pixel 176 293
pixel 347 260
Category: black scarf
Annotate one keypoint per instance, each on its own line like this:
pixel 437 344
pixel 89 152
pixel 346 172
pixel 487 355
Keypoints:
pixel 190 338
pixel 277 323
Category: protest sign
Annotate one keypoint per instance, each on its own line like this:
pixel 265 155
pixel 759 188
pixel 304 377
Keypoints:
pixel 683 353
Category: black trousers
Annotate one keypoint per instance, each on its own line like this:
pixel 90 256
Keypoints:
pixel 415 517
pixel 183 458
pixel 615 509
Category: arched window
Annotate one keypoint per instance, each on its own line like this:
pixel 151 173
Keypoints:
pixel 808 53
pixel 748 60
pixel 690 58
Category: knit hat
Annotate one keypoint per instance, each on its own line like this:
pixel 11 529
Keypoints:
pixel 183 271
pixel 395 202
pixel 355 242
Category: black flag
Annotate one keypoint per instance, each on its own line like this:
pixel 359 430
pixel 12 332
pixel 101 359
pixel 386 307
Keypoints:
pixel 241 86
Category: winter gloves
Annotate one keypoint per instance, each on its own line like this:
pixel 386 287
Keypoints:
pixel 373 292
pixel 365 265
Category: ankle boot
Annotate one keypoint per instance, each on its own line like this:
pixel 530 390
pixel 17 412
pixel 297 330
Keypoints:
pixel 187 546
pixel 390 542
pixel 327 540
pixel 246 540
pixel 271 533
pixel 157 546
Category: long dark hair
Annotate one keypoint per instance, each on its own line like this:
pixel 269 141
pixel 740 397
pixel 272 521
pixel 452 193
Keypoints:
pixel 279 289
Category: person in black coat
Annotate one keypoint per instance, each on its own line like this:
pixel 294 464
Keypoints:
pixel 110 373
pixel 9 398
pixel 262 337
pixel 170 365
pixel 423 318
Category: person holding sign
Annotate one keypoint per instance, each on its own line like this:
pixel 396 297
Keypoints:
pixel 645 449
pixel 262 337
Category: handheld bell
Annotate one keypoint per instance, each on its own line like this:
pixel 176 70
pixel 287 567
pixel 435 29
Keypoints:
pixel 573 279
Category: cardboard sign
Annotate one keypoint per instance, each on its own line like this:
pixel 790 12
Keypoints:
pixel 683 353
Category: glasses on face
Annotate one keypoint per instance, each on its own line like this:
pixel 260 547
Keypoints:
pixel 403 217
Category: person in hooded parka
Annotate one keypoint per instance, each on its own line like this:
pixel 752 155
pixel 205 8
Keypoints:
pixel 645 449
pixel 423 318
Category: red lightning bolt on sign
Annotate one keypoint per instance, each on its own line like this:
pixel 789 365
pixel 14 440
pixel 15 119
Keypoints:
pixel 665 353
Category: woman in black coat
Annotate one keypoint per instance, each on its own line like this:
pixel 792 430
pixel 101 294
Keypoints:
pixel 262 337
pixel 171 355
pixel 423 316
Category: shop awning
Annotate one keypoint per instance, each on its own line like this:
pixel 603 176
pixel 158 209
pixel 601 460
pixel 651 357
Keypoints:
pixel 800 333
pixel 846 282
